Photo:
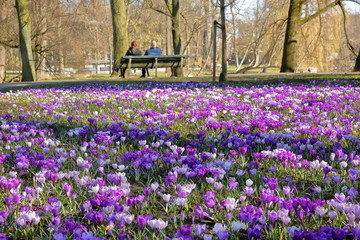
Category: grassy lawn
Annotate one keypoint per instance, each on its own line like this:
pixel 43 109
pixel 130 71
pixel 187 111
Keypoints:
pixel 246 79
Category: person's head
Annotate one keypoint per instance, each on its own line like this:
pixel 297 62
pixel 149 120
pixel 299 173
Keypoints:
pixel 134 44
pixel 153 43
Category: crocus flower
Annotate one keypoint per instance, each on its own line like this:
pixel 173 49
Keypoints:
pixel 253 233
pixel 158 224
pixel 320 211
pixel 200 229
pixel 272 215
pixel 207 237
pixel 229 203
pixel 249 191
pixel 340 197
pixel 184 231
pixel 199 211
pixel 219 227
pixel 249 182
pixel 233 184
pixel 291 230
pixel 356 232
pixel 222 235
pixel 339 234
pixel 59 236
pixel 237 226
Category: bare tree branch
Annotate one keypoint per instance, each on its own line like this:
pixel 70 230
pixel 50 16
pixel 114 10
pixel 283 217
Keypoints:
pixel 348 43
pixel 152 7
pixel 319 12
pixel 9 43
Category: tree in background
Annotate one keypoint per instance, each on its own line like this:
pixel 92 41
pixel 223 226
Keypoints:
pixel 353 39
pixel 293 28
pixel 173 12
pixel 224 63
pixel 28 65
pixel 120 33
pixel 2 46
pixel 78 34
pixel 357 63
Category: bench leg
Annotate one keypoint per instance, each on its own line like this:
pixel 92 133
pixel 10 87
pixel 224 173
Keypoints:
pixel 127 73
pixel 128 69
pixel 156 64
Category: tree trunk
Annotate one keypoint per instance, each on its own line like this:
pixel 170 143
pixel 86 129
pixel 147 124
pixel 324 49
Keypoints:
pixel 293 26
pixel 207 30
pixel 118 12
pixel 294 23
pixel 2 50
pixel 175 23
pixel 28 66
pixel 243 59
pixel 2 63
pixel 40 58
pixel 168 35
pixel 223 74
pixel 234 35
pixel 357 63
pixel 61 62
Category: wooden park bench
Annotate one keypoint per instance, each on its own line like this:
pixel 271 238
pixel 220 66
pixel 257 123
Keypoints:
pixel 162 61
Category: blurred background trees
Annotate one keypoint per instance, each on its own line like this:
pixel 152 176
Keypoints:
pixel 73 36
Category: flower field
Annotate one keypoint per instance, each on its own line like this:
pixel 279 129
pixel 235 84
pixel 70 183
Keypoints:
pixel 181 161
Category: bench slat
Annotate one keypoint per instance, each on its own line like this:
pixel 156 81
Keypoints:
pixel 162 61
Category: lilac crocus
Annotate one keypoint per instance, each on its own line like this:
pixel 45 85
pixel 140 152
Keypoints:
pixel 340 197
pixel 249 191
pixel 200 229
pixel 237 226
pixel 59 236
pixel 229 203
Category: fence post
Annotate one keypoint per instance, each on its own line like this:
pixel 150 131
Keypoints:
pixel 214 50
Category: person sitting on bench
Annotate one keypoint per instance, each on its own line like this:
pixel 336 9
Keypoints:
pixel 133 51
pixel 154 50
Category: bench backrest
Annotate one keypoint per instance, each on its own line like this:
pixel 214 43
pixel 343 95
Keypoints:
pixel 153 61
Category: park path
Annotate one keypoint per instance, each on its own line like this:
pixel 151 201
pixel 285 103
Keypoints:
pixel 42 83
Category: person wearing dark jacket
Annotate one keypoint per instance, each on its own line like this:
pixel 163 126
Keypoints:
pixel 133 51
pixel 154 50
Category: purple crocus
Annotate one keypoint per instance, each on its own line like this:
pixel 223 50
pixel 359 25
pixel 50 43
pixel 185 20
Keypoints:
pixel 233 184
pixel 222 235
pixel 199 211
pixel 272 215
pixel 91 120
pixel 143 219
pixel 356 232
pixel 184 231
pixel 253 233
